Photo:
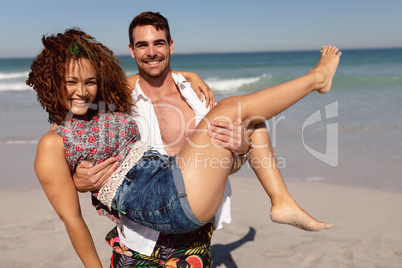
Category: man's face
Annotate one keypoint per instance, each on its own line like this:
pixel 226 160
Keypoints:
pixel 151 51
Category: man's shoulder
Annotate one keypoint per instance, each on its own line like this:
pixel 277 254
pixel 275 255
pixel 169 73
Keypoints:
pixel 132 80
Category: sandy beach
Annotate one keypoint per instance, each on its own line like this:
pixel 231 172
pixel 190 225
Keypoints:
pixel 367 229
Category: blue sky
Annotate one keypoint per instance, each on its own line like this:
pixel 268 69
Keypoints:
pixel 208 25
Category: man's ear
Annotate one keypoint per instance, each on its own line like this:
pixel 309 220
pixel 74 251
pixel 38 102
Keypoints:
pixel 130 47
pixel 171 46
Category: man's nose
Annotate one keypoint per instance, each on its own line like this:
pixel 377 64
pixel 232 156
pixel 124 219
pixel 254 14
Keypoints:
pixel 152 51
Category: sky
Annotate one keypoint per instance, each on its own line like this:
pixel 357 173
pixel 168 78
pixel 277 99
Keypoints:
pixel 208 26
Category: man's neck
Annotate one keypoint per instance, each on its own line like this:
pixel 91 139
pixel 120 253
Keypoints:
pixel 155 88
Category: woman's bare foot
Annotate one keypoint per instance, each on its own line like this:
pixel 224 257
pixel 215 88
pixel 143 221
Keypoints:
pixel 292 214
pixel 326 68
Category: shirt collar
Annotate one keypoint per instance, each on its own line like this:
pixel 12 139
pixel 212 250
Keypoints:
pixel 138 93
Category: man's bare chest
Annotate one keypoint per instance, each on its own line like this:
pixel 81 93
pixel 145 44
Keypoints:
pixel 176 121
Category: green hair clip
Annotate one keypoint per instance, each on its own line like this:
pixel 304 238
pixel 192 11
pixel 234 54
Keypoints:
pixel 76 49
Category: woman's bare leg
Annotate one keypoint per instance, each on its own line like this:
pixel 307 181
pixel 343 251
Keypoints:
pixel 284 208
pixel 205 167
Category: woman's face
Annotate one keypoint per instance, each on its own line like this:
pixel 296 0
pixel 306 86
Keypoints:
pixel 81 86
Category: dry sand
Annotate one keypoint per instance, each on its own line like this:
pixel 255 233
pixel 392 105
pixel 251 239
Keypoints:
pixel 367 229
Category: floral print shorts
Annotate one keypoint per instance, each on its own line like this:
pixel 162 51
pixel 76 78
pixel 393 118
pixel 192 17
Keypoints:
pixel 172 250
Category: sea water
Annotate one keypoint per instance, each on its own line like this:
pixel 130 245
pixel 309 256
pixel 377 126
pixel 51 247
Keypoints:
pixel 364 105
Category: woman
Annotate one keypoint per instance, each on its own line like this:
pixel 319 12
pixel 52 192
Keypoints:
pixel 81 77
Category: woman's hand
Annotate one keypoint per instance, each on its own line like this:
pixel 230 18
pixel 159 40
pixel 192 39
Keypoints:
pixel 200 88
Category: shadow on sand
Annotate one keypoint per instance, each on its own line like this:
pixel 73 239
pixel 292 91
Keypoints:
pixel 221 254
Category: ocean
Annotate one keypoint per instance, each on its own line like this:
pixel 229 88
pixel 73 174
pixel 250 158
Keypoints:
pixel 350 136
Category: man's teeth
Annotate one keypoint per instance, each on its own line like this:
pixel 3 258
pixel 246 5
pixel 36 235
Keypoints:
pixel 153 62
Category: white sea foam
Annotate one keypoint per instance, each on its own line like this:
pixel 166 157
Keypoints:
pixel 13 81
pixel 130 73
pixel 4 76
pixel 17 86
pixel 19 142
pixel 219 84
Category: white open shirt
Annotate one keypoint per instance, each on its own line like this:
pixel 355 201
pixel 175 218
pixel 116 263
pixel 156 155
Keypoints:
pixel 140 238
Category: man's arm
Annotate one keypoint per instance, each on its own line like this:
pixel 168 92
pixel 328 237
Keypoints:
pixel 231 136
pixel 228 135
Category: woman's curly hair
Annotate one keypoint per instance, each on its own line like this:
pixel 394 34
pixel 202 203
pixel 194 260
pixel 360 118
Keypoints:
pixel 47 76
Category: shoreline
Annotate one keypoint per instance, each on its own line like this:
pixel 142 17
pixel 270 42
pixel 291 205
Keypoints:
pixel 18 172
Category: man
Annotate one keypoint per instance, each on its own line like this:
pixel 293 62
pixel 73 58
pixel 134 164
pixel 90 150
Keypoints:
pixel 167 112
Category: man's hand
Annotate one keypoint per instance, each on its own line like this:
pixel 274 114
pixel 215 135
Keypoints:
pixel 88 177
pixel 231 136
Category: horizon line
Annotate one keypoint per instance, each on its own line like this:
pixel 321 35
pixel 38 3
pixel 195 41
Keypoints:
pixel 233 52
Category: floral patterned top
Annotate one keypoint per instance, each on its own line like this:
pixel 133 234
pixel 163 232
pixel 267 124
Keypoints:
pixel 97 139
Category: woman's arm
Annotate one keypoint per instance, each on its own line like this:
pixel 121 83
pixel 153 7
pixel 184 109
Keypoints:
pixel 54 175
pixel 200 87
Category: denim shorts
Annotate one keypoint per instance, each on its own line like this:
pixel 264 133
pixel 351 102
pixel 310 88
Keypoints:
pixel 153 194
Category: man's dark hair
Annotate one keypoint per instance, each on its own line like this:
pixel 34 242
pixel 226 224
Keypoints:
pixel 149 18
